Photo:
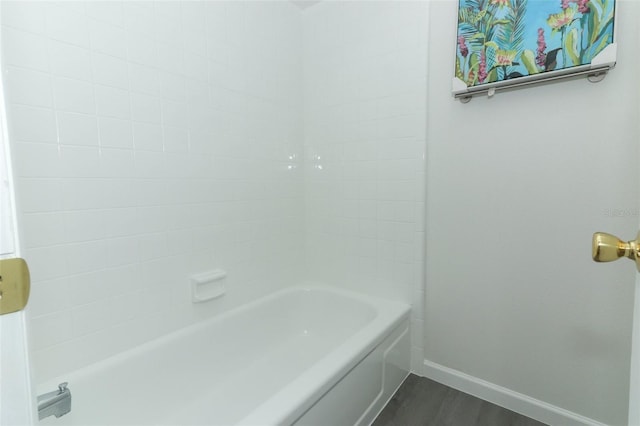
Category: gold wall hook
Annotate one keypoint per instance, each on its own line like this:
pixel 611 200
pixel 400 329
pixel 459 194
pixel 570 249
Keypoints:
pixel 607 248
pixel 15 285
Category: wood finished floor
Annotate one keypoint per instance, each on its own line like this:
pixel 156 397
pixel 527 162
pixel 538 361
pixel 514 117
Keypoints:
pixel 421 402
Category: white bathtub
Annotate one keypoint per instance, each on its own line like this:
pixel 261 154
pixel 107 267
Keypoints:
pixel 300 356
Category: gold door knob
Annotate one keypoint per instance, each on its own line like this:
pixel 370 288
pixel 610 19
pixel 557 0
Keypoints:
pixel 14 285
pixel 607 248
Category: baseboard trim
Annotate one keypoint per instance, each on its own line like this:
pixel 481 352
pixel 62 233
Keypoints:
pixel 507 398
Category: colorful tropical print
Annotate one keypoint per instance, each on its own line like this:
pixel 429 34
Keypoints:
pixel 503 39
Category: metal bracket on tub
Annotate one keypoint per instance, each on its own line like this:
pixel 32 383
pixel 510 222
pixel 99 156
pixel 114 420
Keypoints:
pixel 56 403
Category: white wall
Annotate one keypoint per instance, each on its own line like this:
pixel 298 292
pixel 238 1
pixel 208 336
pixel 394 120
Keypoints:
pixel 151 140
pixel 517 184
pixel 365 128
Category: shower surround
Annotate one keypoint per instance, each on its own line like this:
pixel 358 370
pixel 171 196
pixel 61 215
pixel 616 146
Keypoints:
pixel 156 140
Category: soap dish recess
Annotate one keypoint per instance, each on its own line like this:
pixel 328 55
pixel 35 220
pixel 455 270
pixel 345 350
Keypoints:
pixel 207 285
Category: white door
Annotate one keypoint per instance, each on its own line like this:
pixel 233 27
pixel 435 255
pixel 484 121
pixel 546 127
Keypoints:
pixel 16 398
pixel 610 249
pixel 634 395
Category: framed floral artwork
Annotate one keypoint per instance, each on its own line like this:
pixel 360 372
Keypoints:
pixel 504 42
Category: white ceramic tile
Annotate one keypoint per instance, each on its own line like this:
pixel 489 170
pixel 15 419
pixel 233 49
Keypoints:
pixel 79 161
pixel 107 39
pixel 168 30
pixel 118 193
pixel 180 241
pixel 218 73
pixel 176 139
pixel 68 60
pixel 116 163
pixel 23 49
pixel 408 212
pixel 142 49
pixel 397 190
pixel 167 9
pixel 110 71
pixel 28 87
pixel 77 129
pixel 205 120
pixel 197 94
pixel 170 58
pixel 85 257
pixel 399 169
pixel 47 297
pixel 46 263
pixel 115 133
pixel 200 142
pixel 79 194
pixel 26 15
pixel 112 102
pixel 152 192
pixel 145 108
pixel 77 7
pixel 89 287
pixel 172 86
pixel 37 160
pixel 152 219
pixel 139 19
pixel 405 253
pixel 124 279
pixel 194 15
pixel 122 222
pixel 42 229
pixel 22 126
pixel 51 329
pixel 144 79
pixel 110 11
pixel 73 95
pixel 125 308
pixel 147 136
pixel 195 41
pixel 404 148
pixel 174 113
pixel 404 232
pixel 38 195
pixel 196 67
pixel 84 225
pixel 66 25
pixel 92 317
pixel 152 246
pixel 122 251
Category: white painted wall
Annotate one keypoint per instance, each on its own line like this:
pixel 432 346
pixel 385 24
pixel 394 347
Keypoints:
pixel 365 127
pixel 152 140
pixel 517 184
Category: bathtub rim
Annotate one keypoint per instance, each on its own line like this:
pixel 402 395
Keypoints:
pixel 316 381
pixel 304 390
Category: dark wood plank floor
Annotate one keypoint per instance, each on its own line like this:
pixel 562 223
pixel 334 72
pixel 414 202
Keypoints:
pixel 420 401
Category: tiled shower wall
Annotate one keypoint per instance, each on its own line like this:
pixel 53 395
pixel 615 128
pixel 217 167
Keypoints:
pixel 365 100
pixel 151 141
